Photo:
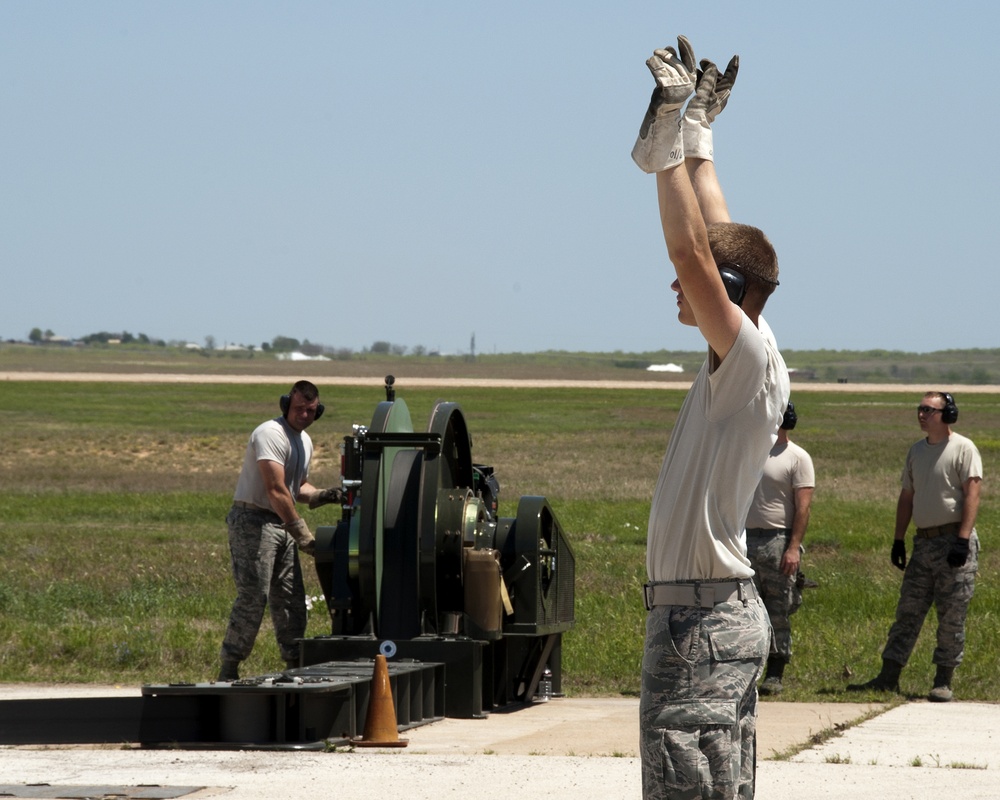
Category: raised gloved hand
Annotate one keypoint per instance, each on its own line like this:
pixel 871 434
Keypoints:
pixel 324 496
pixel 660 145
pixel 899 553
pixel 303 537
pixel 959 553
pixel 710 96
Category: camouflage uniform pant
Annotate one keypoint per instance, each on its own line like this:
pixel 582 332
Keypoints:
pixel 698 710
pixel 781 594
pixel 267 572
pixel 928 579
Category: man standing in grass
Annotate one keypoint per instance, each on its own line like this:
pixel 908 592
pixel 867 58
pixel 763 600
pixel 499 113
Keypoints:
pixel 941 485
pixel 776 526
pixel 707 630
pixel 265 529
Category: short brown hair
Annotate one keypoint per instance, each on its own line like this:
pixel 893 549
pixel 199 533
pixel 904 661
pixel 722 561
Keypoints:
pixel 750 251
pixel 307 389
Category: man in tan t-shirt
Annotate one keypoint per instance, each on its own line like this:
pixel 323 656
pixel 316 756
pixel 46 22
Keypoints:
pixel 941 484
pixel 776 526
pixel 706 631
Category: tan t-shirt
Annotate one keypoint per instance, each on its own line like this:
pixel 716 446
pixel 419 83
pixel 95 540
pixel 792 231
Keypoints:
pixel 788 468
pixel 724 431
pixel 936 473
pixel 274 440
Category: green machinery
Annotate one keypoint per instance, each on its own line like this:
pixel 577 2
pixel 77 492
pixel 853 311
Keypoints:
pixel 422 567
pixel 468 608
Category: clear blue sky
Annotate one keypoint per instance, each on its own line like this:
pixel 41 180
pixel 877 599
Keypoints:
pixel 419 172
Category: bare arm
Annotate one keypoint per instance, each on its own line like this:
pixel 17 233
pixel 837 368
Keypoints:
pixel 904 513
pixel 707 189
pixel 278 495
pixel 970 508
pixel 793 554
pixel 711 96
pixel 660 148
pixel 691 198
pixel 686 238
pixel 307 492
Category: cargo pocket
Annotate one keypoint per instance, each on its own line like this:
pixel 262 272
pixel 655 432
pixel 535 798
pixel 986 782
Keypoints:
pixel 694 744
pixel 740 644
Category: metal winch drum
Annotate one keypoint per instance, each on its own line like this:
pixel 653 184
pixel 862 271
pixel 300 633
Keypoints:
pixel 422 566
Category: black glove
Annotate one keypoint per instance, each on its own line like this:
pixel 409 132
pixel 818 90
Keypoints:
pixel 959 553
pixel 899 553
pixel 324 496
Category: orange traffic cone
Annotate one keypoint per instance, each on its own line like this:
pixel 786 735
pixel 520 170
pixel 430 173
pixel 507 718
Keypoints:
pixel 380 724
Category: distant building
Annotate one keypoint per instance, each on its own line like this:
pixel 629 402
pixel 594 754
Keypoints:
pixel 664 368
pixel 297 356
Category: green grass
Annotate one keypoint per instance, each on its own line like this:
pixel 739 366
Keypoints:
pixel 976 366
pixel 115 563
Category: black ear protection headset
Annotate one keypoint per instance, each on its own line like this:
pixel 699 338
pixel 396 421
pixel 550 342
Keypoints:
pixel 285 403
pixel 949 413
pixel 736 282
pixel 790 418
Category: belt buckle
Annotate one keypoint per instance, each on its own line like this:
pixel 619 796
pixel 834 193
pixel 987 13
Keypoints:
pixel 704 596
pixel 647 596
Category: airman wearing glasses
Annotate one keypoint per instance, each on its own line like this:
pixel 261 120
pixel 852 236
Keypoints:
pixel 940 493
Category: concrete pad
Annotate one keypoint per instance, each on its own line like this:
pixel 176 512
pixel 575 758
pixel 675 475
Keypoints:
pixel 582 748
pixel 956 736
pixel 584 726
pixel 609 726
pixel 781 779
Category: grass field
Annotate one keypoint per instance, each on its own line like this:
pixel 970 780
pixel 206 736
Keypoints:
pixel 975 367
pixel 115 564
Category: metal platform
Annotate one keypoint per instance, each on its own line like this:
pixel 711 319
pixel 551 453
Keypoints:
pixel 310 708
pixel 480 676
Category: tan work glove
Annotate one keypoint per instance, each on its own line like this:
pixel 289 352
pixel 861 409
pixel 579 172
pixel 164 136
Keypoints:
pixel 660 144
pixel 303 537
pixel 711 94
pixel 324 496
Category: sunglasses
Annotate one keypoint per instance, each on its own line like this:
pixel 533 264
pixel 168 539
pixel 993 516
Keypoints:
pixel 928 410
